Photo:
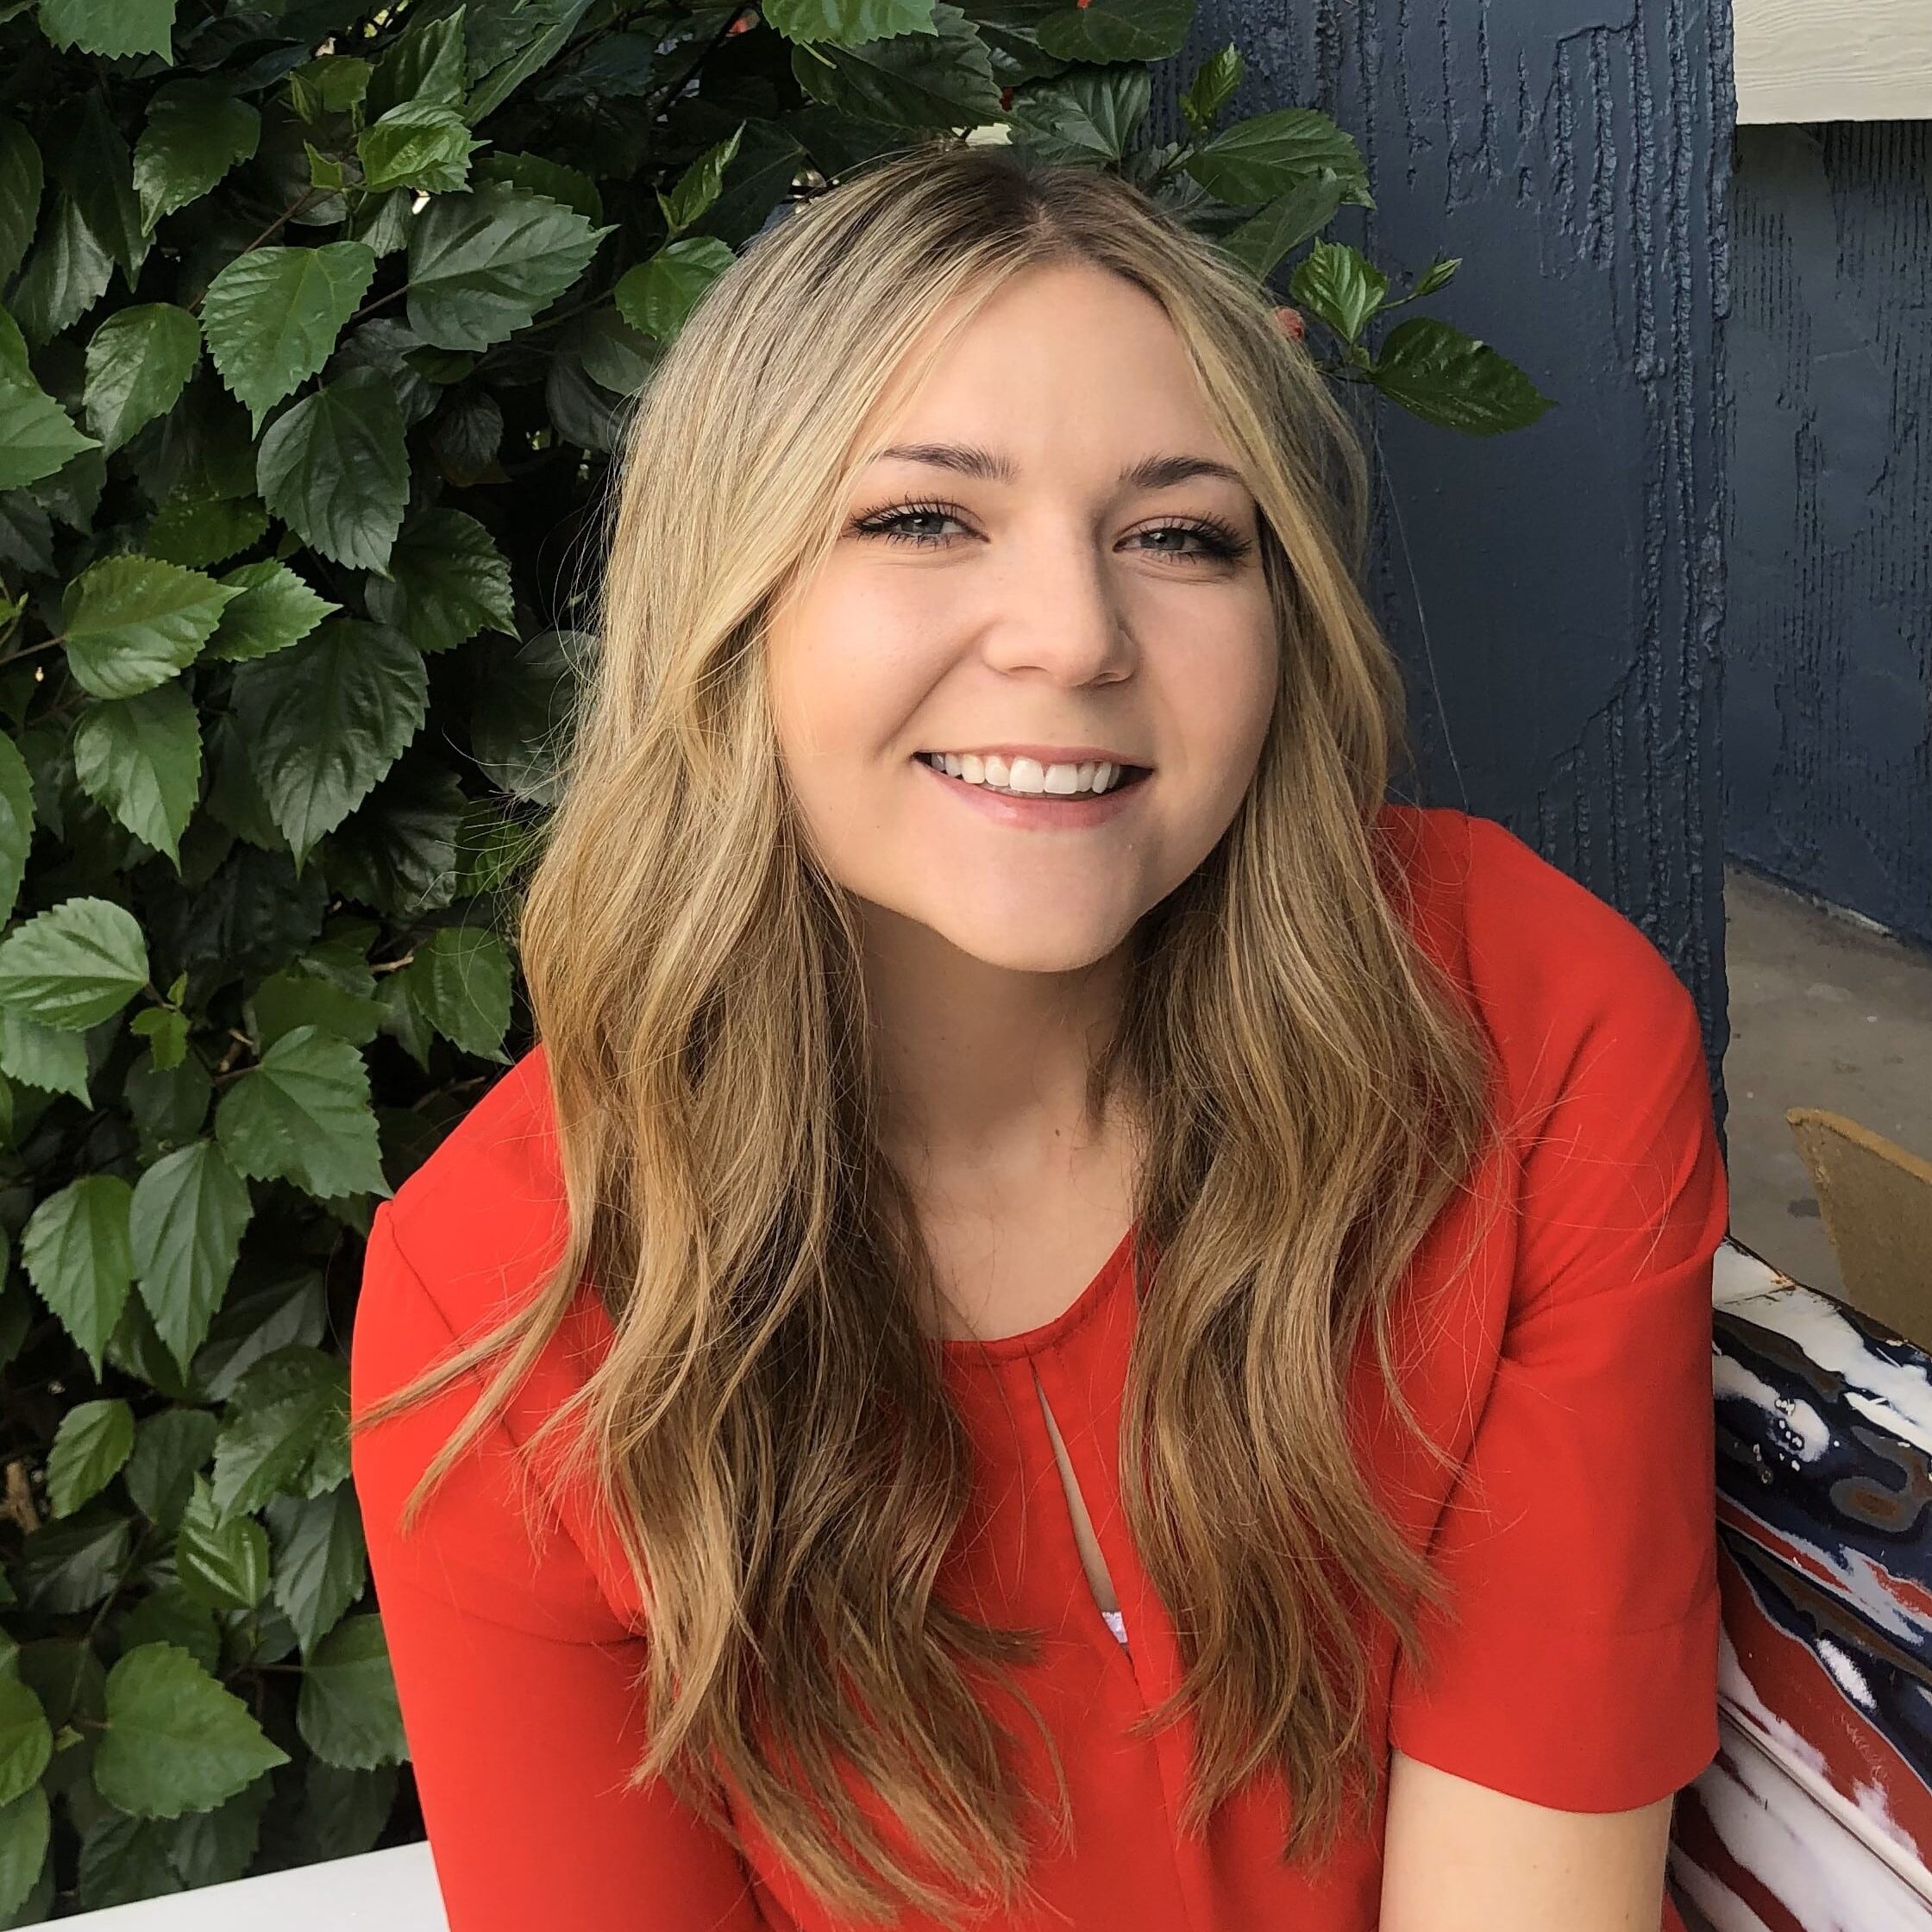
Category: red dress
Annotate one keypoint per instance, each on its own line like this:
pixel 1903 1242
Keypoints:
pixel 1569 1367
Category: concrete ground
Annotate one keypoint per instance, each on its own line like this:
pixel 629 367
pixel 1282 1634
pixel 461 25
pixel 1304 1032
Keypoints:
pixel 1827 1009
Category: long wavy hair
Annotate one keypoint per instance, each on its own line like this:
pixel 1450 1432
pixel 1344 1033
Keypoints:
pixel 770 1430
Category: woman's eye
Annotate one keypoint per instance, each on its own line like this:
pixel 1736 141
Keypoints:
pixel 890 524
pixel 1215 543
pixel 1219 543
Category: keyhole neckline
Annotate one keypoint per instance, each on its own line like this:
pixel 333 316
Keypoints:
pixel 1117 1268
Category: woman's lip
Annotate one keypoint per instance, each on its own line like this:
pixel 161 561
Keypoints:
pixel 1041 754
pixel 1036 811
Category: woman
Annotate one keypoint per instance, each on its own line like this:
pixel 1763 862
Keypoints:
pixel 1079 1322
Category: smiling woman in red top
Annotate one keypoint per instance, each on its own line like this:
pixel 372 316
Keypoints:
pixel 1077 1321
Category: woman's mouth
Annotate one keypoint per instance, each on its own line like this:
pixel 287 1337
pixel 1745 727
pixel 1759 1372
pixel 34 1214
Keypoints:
pixel 1041 810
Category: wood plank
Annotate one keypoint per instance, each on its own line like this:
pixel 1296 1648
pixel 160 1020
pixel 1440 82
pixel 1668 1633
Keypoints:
pixel 1834 59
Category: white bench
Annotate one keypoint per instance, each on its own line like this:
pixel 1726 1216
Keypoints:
pixel 393 1891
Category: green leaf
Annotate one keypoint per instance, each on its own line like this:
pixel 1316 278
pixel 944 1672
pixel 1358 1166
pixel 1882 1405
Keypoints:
pixel 74 1248
pixel 448 581
pixel 23 177
pixel 25 1827
pixel 34 1054
pixel 303 1115
pixel 1086 117
pixel 1339 284
pixel 275 609
pixel 285 1433
pixel 37 437
pixel 72 494
pixel 465 439
pixel 459 980
pixel 170 1449
pixel 184 1227
pixel 326 171
pixel 213 1848
pixel 494 849
pixel 1284 225
pixel 615 354
pixel 222 1564
pixel 88 155
pixel 16 824
pixel 117 29
pixel 67 1567
pixel 166 1032
pixel 272 317
pixel 335 83
pixel 169 1616
pixel 334 468
pixel 416 145
pixel 1107 30
pixel 1212 87
pixel 481 264
pixel 698 187
pixel 74 964
pixel 324 719
pixel 942 79
pixel 424 62
pixel 1452 380
pixel 140 759
pixel 285 1000
pixel 93 1441
pixel 538 175
pixel 655 295
pixel 139 361
pixel 26 1737
pixel 1439 274
pixel 347 1712
pixel 508 43
pixel 321 1560
pixel 523 710
pixel 197 131
pixel 66 273
pixel 847 22
pixel 396 853
pixel 1264 157
pixel 175 1740
pixel 197 531
pixel 131 622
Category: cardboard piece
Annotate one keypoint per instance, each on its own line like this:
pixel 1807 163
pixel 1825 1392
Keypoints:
pixel 1876 1198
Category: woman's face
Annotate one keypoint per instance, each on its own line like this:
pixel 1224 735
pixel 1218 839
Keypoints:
pixel 1060 611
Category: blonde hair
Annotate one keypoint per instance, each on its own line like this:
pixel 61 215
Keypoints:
pixel 770 1430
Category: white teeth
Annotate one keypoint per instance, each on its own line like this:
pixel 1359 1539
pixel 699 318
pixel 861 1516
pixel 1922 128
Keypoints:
pixel 1027 776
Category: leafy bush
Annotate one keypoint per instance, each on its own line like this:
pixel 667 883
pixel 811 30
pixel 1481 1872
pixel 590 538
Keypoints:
pixel 319 326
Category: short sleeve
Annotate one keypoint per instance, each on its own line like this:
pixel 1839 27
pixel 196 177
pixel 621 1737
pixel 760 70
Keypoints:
pixel 1575 1666
pixel 515 1676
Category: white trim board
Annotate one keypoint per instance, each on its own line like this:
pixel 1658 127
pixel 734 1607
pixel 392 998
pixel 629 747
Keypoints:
pixel 1832 60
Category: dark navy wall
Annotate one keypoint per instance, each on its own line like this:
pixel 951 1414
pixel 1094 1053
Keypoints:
pixel 1827 710
pixel 1556 593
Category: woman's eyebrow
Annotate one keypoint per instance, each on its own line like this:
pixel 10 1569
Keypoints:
pixel 1151 473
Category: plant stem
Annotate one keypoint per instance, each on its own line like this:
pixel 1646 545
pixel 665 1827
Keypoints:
pixel 13 657
pixel 274 228
pixel 401 288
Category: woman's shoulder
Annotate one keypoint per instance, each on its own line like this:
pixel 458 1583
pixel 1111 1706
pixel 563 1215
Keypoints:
pixel 483 1218
pixel 1548 964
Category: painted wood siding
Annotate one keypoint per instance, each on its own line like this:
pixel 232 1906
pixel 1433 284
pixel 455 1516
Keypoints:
pixel 1834 59
pixel 1556 594
pixel 1828 681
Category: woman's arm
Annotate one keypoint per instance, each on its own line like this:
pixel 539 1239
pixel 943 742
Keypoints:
pixel 1567 1685
pixel 517 1680
pixel 1457 1857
